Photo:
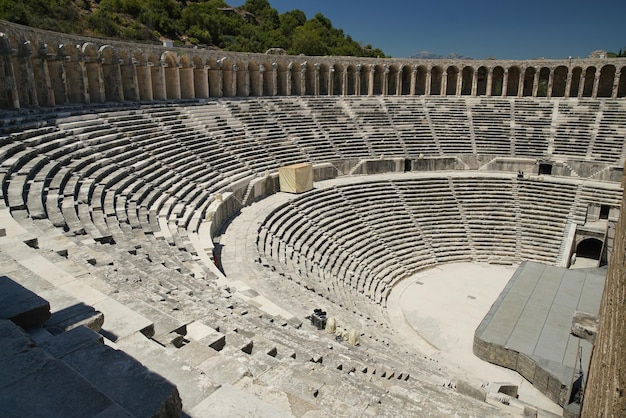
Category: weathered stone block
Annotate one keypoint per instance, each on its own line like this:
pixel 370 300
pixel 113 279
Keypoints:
pixel 21 305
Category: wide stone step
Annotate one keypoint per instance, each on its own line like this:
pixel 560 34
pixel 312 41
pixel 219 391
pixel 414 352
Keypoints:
pixel 20 305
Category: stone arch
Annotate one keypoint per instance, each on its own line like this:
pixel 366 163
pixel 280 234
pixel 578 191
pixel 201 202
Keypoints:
pixel 256 88
pixel 421 75
pixel 310 78
pixel 7 45
pixel 482 75
pixel 41 76
pixel 324 77
pixel 575 81
pixel 364 79
pixel 241 84
pixel 544 82
pixel 200 77
pixel 529 81
pixel 297 78
pixel 589 248
pixel 91 75
pixel 605 82
pixel 452 77
pixel 467 75
pixel 214 69
pixel 260 78
pixel 587 87
pixel 171 71
pixel 621 86
pixel 111 75
pixel 23 73
pixel 514 75
pixel 337 79
pixel 497 81
pixel 228 73
pixel 351 80
pixel 269 78
pixel 74 77
pixel 405 77
pixel 128 75
pixel 9 97
pixel 283 88
pixel 143 68
pixel 436 80
pixel 559 81
pixel 157 77
pixel 185 71
pixel 378 79
pixel 392 80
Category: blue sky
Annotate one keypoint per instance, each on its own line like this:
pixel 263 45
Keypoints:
pixel 504 29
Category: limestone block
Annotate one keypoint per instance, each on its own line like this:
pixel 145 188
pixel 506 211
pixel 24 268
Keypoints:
pixel 14 339
pixel 194 353
pixel 126 381
pixel 74 316
pixel 585 326
pixel 51 387
pixel 22 306
pixel 70 341
pixel 231 401
pixel 469 390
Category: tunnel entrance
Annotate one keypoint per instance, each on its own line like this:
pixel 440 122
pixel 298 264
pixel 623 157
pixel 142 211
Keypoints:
pixel 604 211
pixel 545 168
pixel 589 248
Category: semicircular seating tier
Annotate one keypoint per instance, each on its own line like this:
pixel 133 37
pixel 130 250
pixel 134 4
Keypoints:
pixel 362 238
pixel 117 196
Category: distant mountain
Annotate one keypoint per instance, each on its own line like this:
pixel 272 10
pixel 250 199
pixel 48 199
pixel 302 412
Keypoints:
pixel 426 55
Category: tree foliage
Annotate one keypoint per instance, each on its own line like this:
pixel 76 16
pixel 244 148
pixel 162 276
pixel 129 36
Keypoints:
pixel 254 27
pixel 620 54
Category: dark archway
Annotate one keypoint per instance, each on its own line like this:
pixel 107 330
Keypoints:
pixel 436 81
pixel 590 74
pixel 466 84
pixel 452 80
pixel 497 81
pixel 605 83
pixel 529 81
pixel 589 248
pixel 544 81
pixel 481 84
pixel 513 83
pixel 559 82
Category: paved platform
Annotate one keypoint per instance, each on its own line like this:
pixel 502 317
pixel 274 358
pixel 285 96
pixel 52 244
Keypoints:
pixel 527 328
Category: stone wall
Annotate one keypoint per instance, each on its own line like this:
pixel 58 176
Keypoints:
pixel 540 378
pixel 605 391
pixel 43 68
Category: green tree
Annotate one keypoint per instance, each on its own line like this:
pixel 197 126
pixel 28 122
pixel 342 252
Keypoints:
pixel 306 40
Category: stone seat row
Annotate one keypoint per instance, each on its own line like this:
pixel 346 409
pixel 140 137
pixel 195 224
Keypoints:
pixel 449 129
pixel 248 343
pixel 81 191
pixel 339 232
pixel 237 342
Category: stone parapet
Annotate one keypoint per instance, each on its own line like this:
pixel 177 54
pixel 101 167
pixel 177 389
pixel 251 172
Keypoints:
pixel 45 68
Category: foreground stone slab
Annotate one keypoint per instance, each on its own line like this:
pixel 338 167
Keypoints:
pixel 193 385
pixel 70 341
pixel 25 308
pixel 34 384
pixel 228 401
pixel 126 381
